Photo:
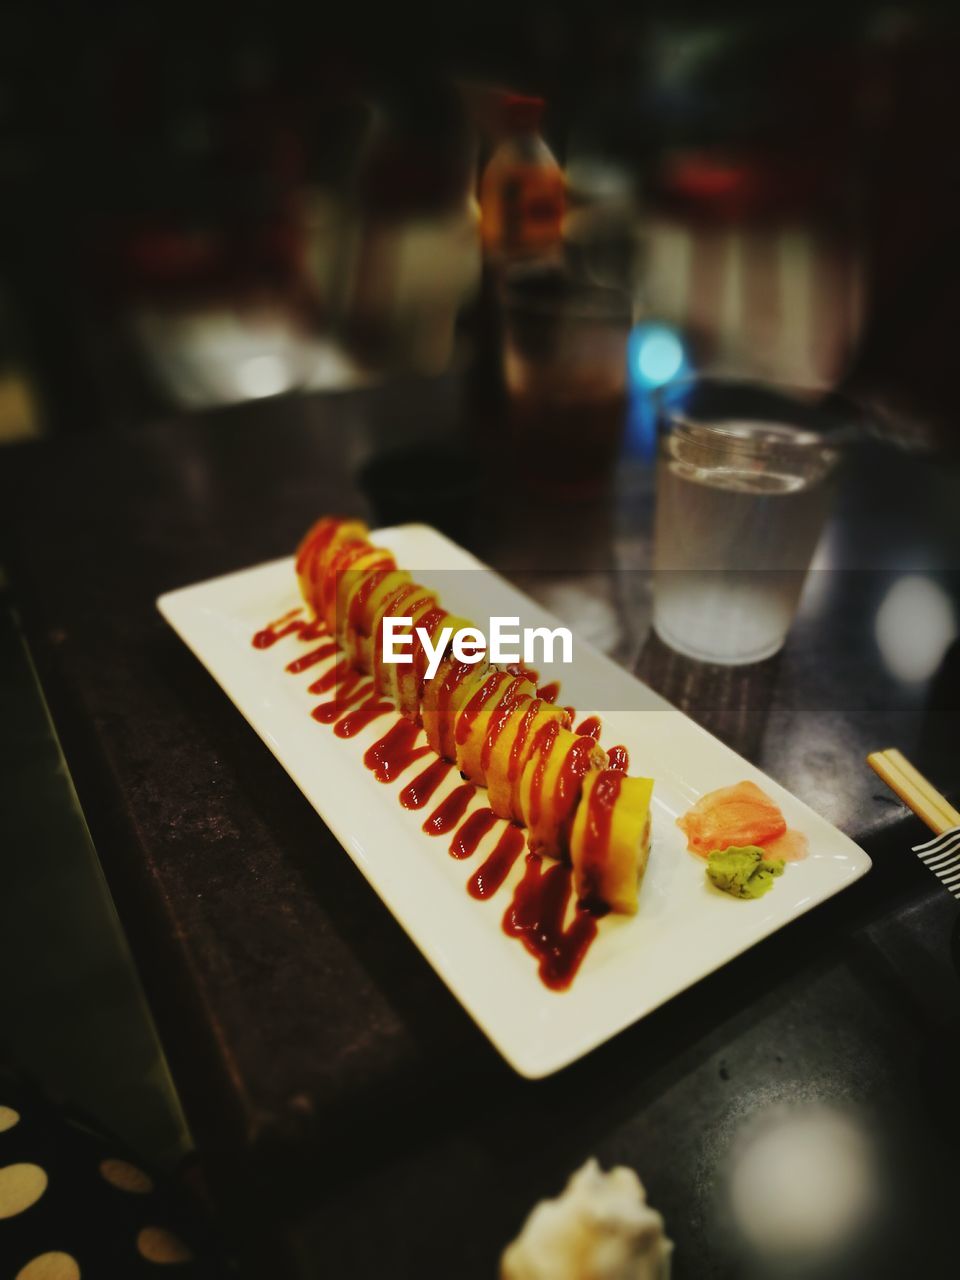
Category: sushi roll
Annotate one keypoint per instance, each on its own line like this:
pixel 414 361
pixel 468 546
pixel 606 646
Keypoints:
pixel 488 721
pixel 610 839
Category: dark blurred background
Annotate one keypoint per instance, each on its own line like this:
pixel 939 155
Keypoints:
pixel 203 205
pixel 550 208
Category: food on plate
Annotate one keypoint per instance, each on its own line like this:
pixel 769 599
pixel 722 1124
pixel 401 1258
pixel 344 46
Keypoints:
pixel 740 815
pixel 610 841
pixel 443 699
pixel 551 786
pixel 792 846
pixel 523 725
pixel 743 872
pixel 488 721
pixel 600 1228
pixel 487 706
pixel 317 546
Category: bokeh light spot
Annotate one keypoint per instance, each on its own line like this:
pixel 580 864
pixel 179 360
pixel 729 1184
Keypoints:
pixel 656 355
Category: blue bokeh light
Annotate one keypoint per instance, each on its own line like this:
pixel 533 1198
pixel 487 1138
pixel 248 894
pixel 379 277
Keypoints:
pixel 656 359
pixel 656 355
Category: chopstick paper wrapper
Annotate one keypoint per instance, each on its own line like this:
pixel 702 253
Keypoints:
pixel 942 853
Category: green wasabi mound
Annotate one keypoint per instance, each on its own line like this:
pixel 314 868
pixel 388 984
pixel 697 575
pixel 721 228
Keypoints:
pixel 742 871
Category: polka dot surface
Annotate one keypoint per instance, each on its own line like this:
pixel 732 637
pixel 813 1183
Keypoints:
pixel 21 1185
pixel 8 1118
pixel 76 1204
pixel 160 1246
pixel 50 1266
pixel 126 1176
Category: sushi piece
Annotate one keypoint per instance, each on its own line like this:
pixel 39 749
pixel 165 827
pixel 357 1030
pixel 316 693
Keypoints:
pixel 408 600
pixel 551 784
pixel 366 592
pixel 610 840
pixel 352 570
pixel 443 698
pixel 482 716
pixel 321 540
pixel 401 681
pixel 514 738
pixel 412 675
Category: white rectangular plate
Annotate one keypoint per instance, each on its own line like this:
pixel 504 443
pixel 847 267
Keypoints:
pixel 684 929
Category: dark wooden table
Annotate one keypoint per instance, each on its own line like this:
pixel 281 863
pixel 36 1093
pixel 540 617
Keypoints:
pixel 352 1119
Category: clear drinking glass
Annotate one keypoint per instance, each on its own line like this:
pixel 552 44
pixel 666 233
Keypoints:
pixel 743 488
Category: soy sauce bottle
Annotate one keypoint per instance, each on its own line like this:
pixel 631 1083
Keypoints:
pixel 522 191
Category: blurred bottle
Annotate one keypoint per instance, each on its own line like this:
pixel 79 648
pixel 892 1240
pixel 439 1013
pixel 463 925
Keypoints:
pixel 522 192
pixel 416 254
pixel 601 227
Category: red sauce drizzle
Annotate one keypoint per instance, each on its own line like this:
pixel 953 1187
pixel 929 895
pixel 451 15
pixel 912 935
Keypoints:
pixel 541 899
pixel 352 687
pixel 341 671
pixel 596 836
pixel 519 742
pixel 361 716
pixel 430 622
pixel 397 606
pixel 358 601
pixel 571 774
pixel 290 624
pixel 474 707
pixel 543 743
pixel 499 717
pixel 311 658
pixel 395 751
pixel 524 673
pixel 488 878
pixel 340 562
pixel 567 786
pixel 317 541
pixel 464 843
pixel 456 672
pixel 449 812
pixel 536 916
pixel 399 597
pixel 416 793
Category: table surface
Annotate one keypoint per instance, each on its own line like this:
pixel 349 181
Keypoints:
pixel 346 1105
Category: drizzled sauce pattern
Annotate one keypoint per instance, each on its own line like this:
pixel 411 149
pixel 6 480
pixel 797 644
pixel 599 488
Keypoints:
pixel 536 917
pixel 540 906
pixel 416 793
pixel 449 811
pixel 395 751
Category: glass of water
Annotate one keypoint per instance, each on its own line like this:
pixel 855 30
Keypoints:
pixel 743 489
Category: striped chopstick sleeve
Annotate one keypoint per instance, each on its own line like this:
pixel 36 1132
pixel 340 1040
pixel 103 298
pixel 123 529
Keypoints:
pixel 942 856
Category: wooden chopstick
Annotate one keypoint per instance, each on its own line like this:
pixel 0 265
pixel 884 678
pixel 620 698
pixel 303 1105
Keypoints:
pixel 914 790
